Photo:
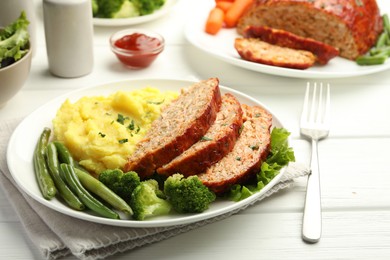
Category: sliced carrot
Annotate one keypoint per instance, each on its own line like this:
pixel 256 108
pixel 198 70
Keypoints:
pixel 231 1
pixel 214 21
pixel 224 5
pixel 236 11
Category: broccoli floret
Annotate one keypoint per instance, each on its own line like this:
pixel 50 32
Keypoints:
pixel 148 6
pixel 14 40
pixel 121 183
pixel 188 195
pixel 146 201
pixel 116 9
pixel 95 7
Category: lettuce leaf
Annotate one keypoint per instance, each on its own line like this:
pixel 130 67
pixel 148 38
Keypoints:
pixel 14 41
pixel 280 155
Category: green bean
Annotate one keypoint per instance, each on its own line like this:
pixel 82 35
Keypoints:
pixel 89 201
pixel 380 51
pixel 54 169
pixel 97 187
pixel 386 23
pixel 371 60
pixel 45 182
pixel 64 154
pixel 90 183
pixel 382 39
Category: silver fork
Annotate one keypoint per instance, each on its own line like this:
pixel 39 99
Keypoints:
pixel 314 125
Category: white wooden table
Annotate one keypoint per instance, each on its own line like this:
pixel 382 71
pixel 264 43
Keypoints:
pixel 354 159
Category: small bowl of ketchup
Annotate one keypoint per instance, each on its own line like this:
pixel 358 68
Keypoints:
pixel 136 48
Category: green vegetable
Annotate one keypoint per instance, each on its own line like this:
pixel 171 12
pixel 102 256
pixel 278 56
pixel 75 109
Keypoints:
pixel 380 52
pixel 384 51
pixel 146 201
pixel 124 8
pixel 14 41
pixel 148 6
pixel 386 23
pixel 45 182
pixel 280 155
pixel 65 156
pixel 89 201
pixel 371 60
pixel 95 7
pixel 116 9
pixel 54 169
pixel 121 183
pixel 187 195
pixel 90 183
pixel 95 186
pixel 382 39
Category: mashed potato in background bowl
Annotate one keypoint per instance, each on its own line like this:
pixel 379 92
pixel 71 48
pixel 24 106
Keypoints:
pixel 102 131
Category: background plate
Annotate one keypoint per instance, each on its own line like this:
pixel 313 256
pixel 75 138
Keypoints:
pixel 23 140
pixel 136 20
pixel 221 46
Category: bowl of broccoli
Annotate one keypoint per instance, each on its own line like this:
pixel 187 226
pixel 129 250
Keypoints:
pixel 113 9
pixel 128 12
pixel 15 57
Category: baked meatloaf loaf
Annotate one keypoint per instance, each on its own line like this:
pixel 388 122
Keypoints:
pixel 250 151
pixel 215 144
pixel 181 124
pixel 351 26
pixel 255 50
pixel 322 51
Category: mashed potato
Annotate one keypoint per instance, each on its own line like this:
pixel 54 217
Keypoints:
pixel 101 132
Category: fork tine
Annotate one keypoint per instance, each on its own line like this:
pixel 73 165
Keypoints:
pixel 323 105
pixel 327 105
pixel 314 109
pixel 318 99
pixel 305 109
pixel 320 108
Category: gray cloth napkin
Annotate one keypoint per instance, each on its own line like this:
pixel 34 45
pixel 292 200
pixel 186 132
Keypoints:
pixel 57 235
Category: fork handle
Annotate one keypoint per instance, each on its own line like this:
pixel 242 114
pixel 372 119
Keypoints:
pixel 311 227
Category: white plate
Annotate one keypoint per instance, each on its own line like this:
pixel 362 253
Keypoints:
pixel 222 47
pixel 23 140
pixel 136 20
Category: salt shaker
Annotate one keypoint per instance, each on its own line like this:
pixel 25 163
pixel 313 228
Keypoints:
pixel 69 37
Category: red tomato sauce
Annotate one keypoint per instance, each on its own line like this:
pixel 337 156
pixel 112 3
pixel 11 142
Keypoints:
pixel 145 45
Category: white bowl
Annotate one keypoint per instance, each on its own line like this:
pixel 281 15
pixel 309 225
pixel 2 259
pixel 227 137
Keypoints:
pixel 13 77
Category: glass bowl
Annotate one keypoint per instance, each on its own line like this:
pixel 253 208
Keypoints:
pixel 136 48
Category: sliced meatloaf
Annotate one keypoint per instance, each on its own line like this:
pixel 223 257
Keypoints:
pixel 322 51
pixel 351 26
pixel 249 152
pixel 215 144
pixel 255 50
pixel 181 124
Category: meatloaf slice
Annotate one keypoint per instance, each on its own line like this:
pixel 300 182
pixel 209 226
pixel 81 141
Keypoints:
pixel 255 50
pixel 215 144
pixel 322 51
pixel 351 26
pixel 181 124
pixel 249 152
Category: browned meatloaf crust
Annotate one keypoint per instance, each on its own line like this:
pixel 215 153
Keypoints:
pixel 351 26
pixel 216 143
pixel 181 124
pixel 322 51
pixel 249 152
pixel 255 50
